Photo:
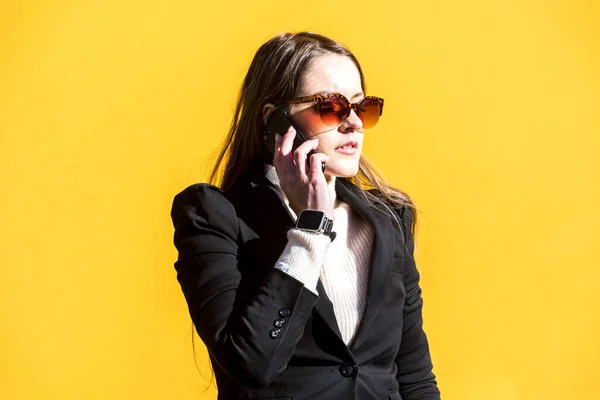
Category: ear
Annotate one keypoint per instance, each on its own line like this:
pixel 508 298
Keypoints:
pixel 266 111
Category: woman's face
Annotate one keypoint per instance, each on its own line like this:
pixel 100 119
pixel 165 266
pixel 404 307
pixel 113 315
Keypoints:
pixel 332 73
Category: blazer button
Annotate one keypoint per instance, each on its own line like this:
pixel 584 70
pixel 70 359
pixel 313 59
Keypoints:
pixel 278 323
pixel 348 370
pixel 274 333
pixel 284 313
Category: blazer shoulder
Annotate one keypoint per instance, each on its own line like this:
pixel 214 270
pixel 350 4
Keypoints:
pixel 196 191
pixel 404 213
pixel 202 202
pixel 403 210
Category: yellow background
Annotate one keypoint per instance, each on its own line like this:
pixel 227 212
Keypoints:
pixel 109 108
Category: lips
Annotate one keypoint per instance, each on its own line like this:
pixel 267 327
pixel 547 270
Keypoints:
pixel 348 148
pixel 348 145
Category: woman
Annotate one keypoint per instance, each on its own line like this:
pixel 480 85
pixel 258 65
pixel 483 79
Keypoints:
pixel 286 308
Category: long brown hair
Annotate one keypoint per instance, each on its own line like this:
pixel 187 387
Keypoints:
pixel 274 77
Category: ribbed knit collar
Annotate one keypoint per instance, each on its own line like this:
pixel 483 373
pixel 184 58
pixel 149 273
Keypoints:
pixel 271 175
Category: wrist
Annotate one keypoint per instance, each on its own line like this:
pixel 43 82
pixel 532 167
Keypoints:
pixel 316 222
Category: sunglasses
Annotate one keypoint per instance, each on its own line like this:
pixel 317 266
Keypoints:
pixel 334 108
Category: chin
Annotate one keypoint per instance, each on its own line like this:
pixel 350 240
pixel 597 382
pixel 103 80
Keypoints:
pixel 342 170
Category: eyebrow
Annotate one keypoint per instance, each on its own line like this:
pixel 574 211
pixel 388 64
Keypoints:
pixel 359 94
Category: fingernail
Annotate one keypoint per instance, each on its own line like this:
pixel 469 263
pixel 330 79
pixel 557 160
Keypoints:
pixel 277 138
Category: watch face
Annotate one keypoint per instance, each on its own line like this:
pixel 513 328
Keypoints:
pixel 310 219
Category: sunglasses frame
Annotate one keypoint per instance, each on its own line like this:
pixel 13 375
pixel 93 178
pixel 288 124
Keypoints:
pixel 320 98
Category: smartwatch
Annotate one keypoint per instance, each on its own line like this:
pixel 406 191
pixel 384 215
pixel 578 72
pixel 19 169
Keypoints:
pixel 315 222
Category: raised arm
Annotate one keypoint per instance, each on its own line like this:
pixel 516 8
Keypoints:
pixel 240 336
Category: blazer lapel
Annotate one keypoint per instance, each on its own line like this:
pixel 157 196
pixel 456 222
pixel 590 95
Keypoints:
pixel 324 307
pixel 381 254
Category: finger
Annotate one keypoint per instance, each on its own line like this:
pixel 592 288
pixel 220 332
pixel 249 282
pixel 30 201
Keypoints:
pixel 316 173
pixel 287 141
pixel 301 152
pixel 277 154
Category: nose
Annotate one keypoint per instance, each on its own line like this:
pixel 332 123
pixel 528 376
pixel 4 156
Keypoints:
pixel 351 124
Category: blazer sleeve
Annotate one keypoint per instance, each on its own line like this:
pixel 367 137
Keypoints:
pixel 415 376
pixel 239 335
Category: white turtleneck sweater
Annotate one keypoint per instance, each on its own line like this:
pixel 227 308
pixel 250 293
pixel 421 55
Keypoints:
pixel 341 265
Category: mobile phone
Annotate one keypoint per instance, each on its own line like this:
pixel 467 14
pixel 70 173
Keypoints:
pixel 278 123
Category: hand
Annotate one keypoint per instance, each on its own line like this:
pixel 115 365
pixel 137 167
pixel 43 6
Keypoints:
pixel 305 188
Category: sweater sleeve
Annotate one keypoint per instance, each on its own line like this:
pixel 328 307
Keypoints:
pixel 239 335
pixel 303 257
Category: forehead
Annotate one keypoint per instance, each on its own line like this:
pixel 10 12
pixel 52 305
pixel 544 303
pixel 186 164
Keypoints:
pixel 331 73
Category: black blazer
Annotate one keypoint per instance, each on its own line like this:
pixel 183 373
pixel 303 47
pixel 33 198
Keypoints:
pixel 270 338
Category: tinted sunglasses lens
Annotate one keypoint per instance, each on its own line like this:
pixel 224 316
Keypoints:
pixel 333 110
pixel 369 111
